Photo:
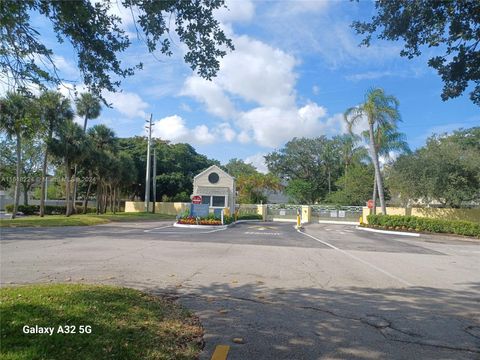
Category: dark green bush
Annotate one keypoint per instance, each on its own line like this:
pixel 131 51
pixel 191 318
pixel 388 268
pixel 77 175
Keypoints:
pixel 25 209
pixel 49 209
pixel 249 217
pixel 414 223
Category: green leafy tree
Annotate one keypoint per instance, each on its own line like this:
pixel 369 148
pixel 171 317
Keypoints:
pixel 446 169
pixel 251 188
pixel 380 110
pixel 237 167
pixel 17 122
pixel 105 144
pixel 360 177
pixel 350 152
pixel 98 39
pixel 301 164
pixel 68 146
pixel 450 26
pixel 54 110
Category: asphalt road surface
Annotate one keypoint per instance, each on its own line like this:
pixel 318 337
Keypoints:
pixel 330 292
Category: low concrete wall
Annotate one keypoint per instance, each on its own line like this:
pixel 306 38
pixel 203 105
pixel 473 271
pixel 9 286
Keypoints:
pixel 170 208
pixel 435 213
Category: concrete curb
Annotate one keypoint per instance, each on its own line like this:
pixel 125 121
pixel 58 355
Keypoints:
pixel 388 232
pixel 176 224
pixel 338 222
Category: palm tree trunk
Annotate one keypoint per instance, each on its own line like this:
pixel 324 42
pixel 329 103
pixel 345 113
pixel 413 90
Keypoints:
pixel 75 189
pixel 85 201
pixel 98 196
pixel 68 210
pixel 85 124
pixel 376 164
pixel 374 196
pixel 43 188
pixel 16 196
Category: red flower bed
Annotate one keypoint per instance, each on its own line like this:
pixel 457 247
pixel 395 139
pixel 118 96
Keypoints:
pixel 193 221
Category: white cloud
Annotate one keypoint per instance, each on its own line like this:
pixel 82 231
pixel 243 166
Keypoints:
pixel 263 75
pixel 236 11
pixel 66 68
pixel 315 89
pixel 272 127
pixel 258 160
pixel 175 129
pixel 259 73
pixel 302 6
pixel 256 72
pixel 209 93
pixel 127 103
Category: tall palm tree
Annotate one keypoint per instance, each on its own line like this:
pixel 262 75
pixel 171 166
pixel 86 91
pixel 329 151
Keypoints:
pixel 16 121
pixel 104 144
pixel 379 109
pixel 54 110
pixel 88 106
pixel 68 147
pixel 387 140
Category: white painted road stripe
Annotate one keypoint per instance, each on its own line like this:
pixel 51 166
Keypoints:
pixel 358 259
pixel 163 227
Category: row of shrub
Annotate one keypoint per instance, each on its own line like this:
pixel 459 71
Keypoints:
pixel 249 217
pixel 415 223
pixel 49 209
pixel 211 219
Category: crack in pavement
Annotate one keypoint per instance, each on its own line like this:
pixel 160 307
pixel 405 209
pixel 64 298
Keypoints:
pixel 382 325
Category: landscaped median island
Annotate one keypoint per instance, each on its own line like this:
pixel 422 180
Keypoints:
pixel 81 219
pixel 212 220
pixel 423 224
pixel 94 322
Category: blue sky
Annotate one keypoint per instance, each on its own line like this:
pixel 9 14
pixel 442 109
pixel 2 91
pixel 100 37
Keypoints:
pixel 296 68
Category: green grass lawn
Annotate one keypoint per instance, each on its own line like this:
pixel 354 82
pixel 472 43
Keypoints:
pixel 79 220
pixel 124 323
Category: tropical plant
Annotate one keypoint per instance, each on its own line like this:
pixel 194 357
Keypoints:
pixel 387 140
pixel 88 107
pixel 17 122
pixel 104 144
pixel 380 110
pixel 54 110
pixel 68 147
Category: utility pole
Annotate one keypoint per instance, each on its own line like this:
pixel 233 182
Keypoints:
pixel 154 179
pixel 147 180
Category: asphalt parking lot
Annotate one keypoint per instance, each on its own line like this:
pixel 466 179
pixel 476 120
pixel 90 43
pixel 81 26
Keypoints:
pixel 330 292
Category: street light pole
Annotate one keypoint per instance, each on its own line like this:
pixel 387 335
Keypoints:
pixel 147 177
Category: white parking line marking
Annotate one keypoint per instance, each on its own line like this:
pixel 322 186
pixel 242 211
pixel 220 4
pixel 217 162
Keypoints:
pixel 358 259
pixel 163 227
pixel 261 233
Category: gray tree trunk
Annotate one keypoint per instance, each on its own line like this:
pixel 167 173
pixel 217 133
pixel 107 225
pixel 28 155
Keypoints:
pixel 376 164
pixel 85 201
pixel 374 196
pixel 68 204
pixel 16 196
pixel 43 188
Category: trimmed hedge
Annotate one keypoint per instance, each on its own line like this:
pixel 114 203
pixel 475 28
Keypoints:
pixel 415 223
pixel 49 209
pixel 249 217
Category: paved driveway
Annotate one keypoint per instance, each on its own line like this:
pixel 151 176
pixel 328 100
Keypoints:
pixel 332 292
